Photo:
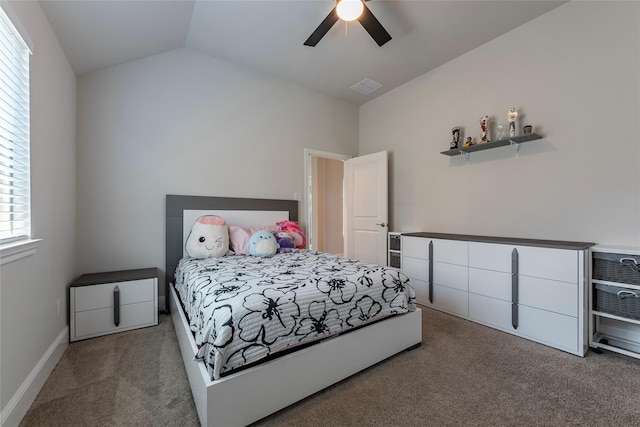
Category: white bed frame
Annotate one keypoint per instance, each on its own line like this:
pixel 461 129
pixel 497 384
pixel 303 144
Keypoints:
pixel 251 394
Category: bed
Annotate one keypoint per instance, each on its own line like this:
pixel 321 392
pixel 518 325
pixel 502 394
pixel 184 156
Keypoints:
pixel 249 388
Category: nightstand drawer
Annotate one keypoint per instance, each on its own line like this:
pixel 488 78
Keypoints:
pixel 99 322
pixel 101 296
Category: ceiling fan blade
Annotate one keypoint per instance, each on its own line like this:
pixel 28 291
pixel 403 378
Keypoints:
pixel 374 27
pixel 323 28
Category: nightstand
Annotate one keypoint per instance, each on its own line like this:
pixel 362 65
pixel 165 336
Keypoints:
pixel 111 302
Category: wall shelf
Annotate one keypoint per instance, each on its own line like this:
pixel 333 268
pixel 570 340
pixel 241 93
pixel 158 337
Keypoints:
pixel 513 141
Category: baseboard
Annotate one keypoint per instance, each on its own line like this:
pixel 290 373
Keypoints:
pixel 21 401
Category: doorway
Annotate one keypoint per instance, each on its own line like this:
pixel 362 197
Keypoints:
pixel 324 199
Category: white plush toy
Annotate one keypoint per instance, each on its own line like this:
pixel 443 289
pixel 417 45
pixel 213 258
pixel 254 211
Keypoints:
pixel 209 237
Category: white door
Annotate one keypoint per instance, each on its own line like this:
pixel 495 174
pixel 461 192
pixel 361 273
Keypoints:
pixel 366 208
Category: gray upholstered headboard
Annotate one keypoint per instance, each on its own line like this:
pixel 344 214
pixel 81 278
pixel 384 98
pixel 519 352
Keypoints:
pixel 176 205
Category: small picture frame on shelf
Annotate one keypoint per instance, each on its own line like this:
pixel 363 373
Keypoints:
pixel 455 133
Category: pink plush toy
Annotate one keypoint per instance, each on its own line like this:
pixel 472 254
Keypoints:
pixel 295 231
pixel 209 237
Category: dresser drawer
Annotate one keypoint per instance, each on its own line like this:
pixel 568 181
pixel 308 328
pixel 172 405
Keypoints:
pixel 451 276
pixel 494 284
pixel 415 268
pixel 490 256
pixel 550 328
pixel 491 312
pixel 451 300
pixel 415 247
pixel 101 296
pixel 549 295
pixel 546 263
pixel 451 251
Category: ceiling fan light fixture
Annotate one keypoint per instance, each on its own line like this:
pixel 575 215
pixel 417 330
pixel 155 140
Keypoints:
pixel 349 10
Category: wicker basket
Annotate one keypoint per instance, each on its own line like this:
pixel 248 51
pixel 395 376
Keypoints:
pixel 616 268
pixel 623 302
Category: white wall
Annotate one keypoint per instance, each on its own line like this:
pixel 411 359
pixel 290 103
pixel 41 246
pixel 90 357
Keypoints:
pixel 30 287
pixel 574 72
pixel 186 123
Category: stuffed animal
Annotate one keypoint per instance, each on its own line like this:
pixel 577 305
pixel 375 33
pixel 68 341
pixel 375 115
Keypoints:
pixel 263 244
pixel 295 231
pixel 285 242
pixel 209 237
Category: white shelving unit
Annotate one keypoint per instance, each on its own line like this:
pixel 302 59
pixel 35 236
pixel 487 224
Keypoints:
pixel 394 250
pixel 614 321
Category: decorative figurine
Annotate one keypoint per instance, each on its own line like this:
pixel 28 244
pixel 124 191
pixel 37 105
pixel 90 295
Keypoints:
pixel 484 123
pixel 469 142
pixel 512 115
pixel 500 131
pixel 456 137
pixel 526 130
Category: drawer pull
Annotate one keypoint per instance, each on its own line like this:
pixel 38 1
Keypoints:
pixel 631 263
pixel 116 305
pixel 627 294
pixel 431 271
pixel 514 288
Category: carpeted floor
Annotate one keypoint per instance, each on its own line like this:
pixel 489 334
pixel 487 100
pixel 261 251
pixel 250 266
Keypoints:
pixel 464 374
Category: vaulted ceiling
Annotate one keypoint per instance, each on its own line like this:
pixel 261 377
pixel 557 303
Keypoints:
pixel 268 36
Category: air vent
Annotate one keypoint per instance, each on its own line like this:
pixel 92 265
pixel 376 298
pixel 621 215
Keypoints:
pixel 366 86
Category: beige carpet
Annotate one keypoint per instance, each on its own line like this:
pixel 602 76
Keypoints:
pixel 463 375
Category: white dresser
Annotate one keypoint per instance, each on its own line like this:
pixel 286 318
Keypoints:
pixel 535 289
pixel 106 303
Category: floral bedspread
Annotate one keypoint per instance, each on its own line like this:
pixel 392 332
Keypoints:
pixel 243 309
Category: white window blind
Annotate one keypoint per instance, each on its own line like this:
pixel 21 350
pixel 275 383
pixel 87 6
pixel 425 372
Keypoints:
pixel 14 134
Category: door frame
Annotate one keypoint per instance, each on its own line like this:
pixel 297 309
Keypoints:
pixel 309 155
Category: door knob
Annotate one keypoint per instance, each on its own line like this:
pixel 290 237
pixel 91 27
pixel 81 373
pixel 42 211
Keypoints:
pixel 381 225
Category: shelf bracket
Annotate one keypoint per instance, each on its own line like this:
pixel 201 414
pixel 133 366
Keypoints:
pixel 465 154
pixel 515 146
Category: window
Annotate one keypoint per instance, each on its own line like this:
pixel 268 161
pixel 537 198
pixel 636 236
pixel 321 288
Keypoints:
pixel 14 135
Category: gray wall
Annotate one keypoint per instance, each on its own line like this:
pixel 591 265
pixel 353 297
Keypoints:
pixel 185 123
pixel 30 287
pixel 574 72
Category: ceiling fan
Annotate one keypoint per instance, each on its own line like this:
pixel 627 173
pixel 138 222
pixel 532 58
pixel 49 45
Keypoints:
pixel 349 10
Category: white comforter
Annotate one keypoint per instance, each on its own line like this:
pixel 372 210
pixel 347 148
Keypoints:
pixel 243 309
